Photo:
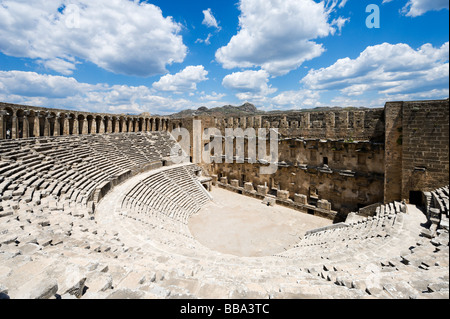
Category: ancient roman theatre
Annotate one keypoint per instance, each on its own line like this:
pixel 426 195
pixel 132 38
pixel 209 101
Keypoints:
pixel 93 206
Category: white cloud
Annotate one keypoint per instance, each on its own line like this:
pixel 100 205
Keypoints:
pixel 296 99
pixel 340 22
pixel 387 69
pixel 415 8
pixel 209 19
pixel 206 41
pixel 277 35
pixel 183 81
pixel 342 4
pixel 249 84
pixel 35 89
pixel 126 37
pixel 214 96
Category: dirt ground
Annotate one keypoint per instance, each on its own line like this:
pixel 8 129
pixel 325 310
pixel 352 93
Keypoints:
pixel 243 226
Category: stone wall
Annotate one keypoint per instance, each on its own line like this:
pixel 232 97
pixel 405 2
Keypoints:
pixel 341 157
pixel 393 152
pixel 357 125
pixel 425 143
pixel 417 148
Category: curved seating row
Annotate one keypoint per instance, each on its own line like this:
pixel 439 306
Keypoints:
pixel 48 233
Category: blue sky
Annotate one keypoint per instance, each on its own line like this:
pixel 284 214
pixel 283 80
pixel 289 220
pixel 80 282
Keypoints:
pixel 156 56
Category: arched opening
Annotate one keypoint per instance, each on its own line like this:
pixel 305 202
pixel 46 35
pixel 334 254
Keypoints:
pixel 141 124
pixel 415 198
pixel 114 124
pixel 51 122
pixel 121 123
pixel 60 117
pixel 42 116
pixel 30 117
pixel 90 119
pixel 105 124
pixel 71 123
pixel 98 122
pixel 81 124
pixel 7 123
pixel 20 126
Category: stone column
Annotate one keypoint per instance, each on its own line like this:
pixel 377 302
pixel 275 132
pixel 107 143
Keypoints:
pixel 46 126
pixel 76 127
pixel 66 129
pixel 102 127
pixel 116 128
pixel 2 127
pixel 57 126
pixel 86 126
pixel 152 125
pixel 94 126
pixel 109 128
pixel 305 121
pixel 36 128
pixel 14 131
pixel 26 127
pixel 241 122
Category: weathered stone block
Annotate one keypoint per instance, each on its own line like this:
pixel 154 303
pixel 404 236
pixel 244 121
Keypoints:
pixel 269 201
pixel 249 187
pixel 324 204
pixel 234 183
pixel 301 199
pixel 224 180
pixel 283 194
pixel 262 190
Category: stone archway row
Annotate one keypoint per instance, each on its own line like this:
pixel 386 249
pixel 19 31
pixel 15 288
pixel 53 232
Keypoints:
pixel 19 121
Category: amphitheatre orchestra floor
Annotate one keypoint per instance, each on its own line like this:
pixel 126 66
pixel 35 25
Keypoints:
pixel 243 226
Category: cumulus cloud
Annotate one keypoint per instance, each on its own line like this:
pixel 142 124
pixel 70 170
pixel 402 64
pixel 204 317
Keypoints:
pixel 277 35
pixel 296 99
pixel 214 96
pixel 209 19
pixel 388 69
pixel 125 37
pixel 31 88
pixel 415 8
pixel 249 84
pixel 183 81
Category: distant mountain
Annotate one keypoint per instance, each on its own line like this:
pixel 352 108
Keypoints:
pixel 248 109
pixel 227 110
